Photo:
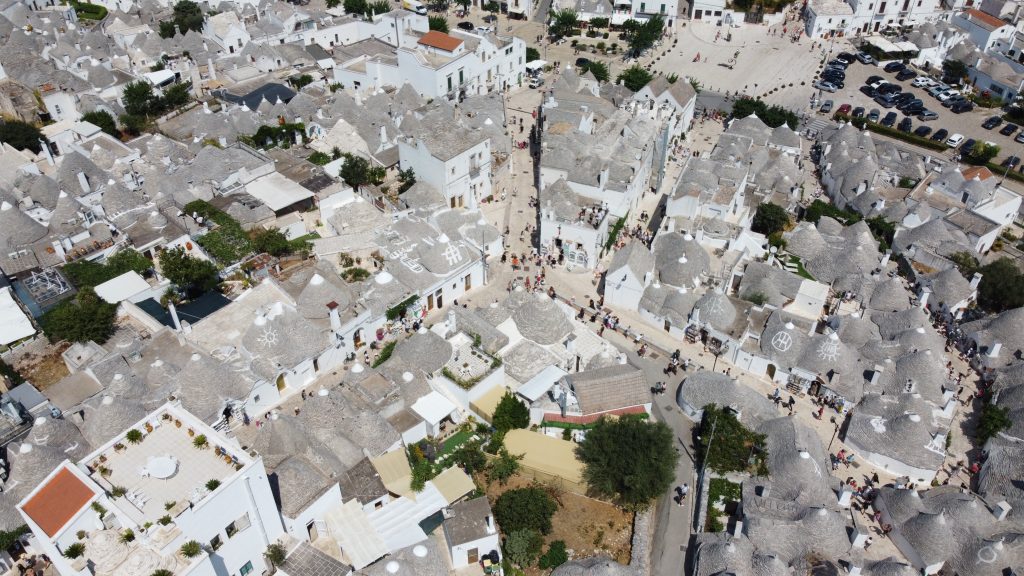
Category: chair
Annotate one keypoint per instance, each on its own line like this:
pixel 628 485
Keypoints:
pixel 143 471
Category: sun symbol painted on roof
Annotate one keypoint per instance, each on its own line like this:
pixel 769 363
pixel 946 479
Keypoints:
pixel 715 306
pixel 268 338
pixel 782 341
pixel 829 350
pixel 452 254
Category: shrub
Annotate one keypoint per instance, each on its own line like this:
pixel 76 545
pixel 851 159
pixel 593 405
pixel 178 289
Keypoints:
pixel 385 353
pixel 555 556
pixel 118 491
pixel 164 520
pixel 134 436
pixel 523 546
pixel 127 536
pixel 75 550
pixel 525 509
pixel 769 219
pixel 275 554
pixel 629 458
pixel 212 484
pixel 510 414
pixel 200 441
pixel 191 549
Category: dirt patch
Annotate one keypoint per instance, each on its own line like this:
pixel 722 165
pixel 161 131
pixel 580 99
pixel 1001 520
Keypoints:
pixel 588 527
pixel 44 370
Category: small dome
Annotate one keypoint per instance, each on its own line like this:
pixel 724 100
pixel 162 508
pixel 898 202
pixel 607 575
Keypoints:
pixel 384 277
pixel 420 551
pixel 357 368
pixel 392 567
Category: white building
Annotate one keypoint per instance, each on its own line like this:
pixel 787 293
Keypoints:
pixel 619 11
pixel 470 532
pixel 828 18
pixel 984 30
pixel 135 501
pixel 449 157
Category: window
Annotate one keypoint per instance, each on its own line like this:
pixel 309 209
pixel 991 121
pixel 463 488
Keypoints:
pixel 216 542
pixel 247 569
pixel 461 80
pixel 238 525
pixel 662 9
pixel 449 82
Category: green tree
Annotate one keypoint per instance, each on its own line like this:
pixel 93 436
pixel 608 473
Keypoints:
pixel 422 471
pixel 642 36
pixel 333 3
pixel 103 120
pixel 188 16
pixel 355 171
pixel 271 241
pixel 470 457
pixel 166 29
pixel 378 7
pixel 138 98
pixel 299 82
pixel 465 4
pixel 132 124
pixel 439 23
pixel 769 219
pixel 523 546
pixel 354 7
pixel 597 68
pixel 981 153
pixel 564 22
pixel 407 178
pixel 525 509
pixel 727 445
pixel 883 230
pixel 192 275
pixel 965 262
pixel 175 96
pixel 555 556
pixel 993 420
pixel 504 466
pixel 773 116
pixel 954 70
pixel 21 135
pixel 88 273
pixel 15 378
pixel 510 413
pixel 492 7
pixel 83 318
pixel 276 554
pixel 1001 287
pixel 635 77
pixel 629 458
pixel 532 54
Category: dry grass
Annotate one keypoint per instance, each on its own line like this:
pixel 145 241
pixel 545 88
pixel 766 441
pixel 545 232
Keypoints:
pixel 588 527
pixel 46 370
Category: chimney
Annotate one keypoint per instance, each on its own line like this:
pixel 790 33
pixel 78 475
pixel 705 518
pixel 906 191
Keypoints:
pixel 975 280
pixel 174 316
pixel 335 319
pixel 83 181
pixel 490 524
pixel 885 259
pixel 876 374
pixel 738 528
pixel 383 135
pixel 995 350
pixel 925 293
pixel 845 494
pixel 1002 510
pixel 211 70
pixel 451 324
pixel 860 535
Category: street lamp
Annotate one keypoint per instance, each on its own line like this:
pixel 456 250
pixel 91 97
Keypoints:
pixel 722 349
pixel 834 432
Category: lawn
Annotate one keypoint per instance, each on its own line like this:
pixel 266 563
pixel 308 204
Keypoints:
pixel 456 440
pixel 800 270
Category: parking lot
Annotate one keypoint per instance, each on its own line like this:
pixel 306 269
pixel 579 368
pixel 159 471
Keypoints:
pixel 967 123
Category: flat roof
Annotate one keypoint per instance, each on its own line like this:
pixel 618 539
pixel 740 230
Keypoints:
pixel 395 473
pixel 122 287
pixel 440 40
pixel 434 407
pixel 277 192
pixel 57 501
pixel 541 383
pixel 545 454
pixel 16 324
pixel 453 484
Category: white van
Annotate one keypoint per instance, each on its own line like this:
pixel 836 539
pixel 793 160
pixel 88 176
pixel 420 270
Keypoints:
pixel 415 6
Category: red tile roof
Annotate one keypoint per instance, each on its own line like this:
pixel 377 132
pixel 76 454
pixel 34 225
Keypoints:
pixel 984 19
pixel 58 501
pixel 556 417
pixel 979 172
pixel 440 40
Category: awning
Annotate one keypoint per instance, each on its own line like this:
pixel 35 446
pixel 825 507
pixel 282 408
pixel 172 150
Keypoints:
pixel 486 404
pixel 453 484
pixel 16 324
pixel 884 44
pixel 536 65
pixel 394 471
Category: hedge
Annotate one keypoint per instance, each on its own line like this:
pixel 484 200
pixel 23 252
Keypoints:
pixel 1000 170
pixel 88 11
pixel 892 132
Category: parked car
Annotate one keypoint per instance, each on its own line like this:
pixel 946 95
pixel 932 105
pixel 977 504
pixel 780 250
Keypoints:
pixel 1011 162
pixel 961 107
pixel 877 83
pixel 837 62
pixel 955 140
pixel 886 100
pixel 906 74
pixel 923 131
pixel 536 82
pixel 858 112
pixel 825 86
pixel 968 145
pixel 940 135
pixel 874 115
pixel 826 106
pixel 912 108
pixel 873 79
pixel 938 89
pixel 926 115
pixel 992 122
pixel 948 94
pixel 949 103
pixel 865 58
pixel 1020 137
pixel 889 119
pixel 922 82
pixel 893 66
pixel 903 97
pixel 834 72
pixel 467 26
pixel 889 88
pixel 905 125
pixel 846 57
pixel 1009 129
pixel 867 91
pixel 844 109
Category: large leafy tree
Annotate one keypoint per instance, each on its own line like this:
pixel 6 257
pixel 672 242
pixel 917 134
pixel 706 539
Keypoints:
pixel 993 420
pixel 598 69
pixel 83 318
pixel 21 135
pixel 192 275
pixel 635 78
pixel 981 153
pixel 726 445
pixel 88 273
pixel 470 457
pixel 769 219
pixel 773 116
pixel 510 413
pixel 356 171
pixel 1001 287
pixel 641 36
pixel 103 120
pixel 439 23
pixel 563 22
pixel 525 509
pixel 630 459
pixel 271 241
pixel 138 98
pixel 187 16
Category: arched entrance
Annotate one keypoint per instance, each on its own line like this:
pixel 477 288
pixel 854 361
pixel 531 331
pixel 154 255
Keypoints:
pixel 771 371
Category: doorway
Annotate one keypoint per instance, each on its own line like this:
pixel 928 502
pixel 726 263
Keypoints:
pixel 473 555
pixel 439 296
pixel 771 371
pixel 312 531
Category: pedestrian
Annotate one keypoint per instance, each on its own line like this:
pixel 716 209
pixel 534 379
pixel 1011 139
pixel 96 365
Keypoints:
pixel 685 490
pixel 821 410
pixel 874 478
pixel 868 542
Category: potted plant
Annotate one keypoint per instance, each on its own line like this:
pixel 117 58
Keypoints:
pixel 149 427
pixel 127 536
pixel 75 550
pixel 164 520
pixel 177 423
pixel 169 505
pixel 191 432
pixel 118 491
pixel 191 549
pixel 81 534
pixel 212 485
pixel 134 436
pixel 199 441
pixel 118 447
pixel 227 458
pixel 103 458
pixel 166 416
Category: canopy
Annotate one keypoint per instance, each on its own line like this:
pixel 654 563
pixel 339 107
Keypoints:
pixel 535 65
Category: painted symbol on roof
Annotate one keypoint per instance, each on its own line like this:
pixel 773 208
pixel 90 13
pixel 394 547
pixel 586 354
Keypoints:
pixel 268 338
pixel 452 255
pixel 829 350
pixel 987 555
pixel 782 341
pixel 715 306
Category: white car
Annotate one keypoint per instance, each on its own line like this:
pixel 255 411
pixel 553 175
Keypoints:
pixel 484 29
pixel 877 83
pixel 947 95
pixel 922 82
pixel 955 140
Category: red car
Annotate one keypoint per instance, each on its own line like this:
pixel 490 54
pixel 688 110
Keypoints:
pixel 844 109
